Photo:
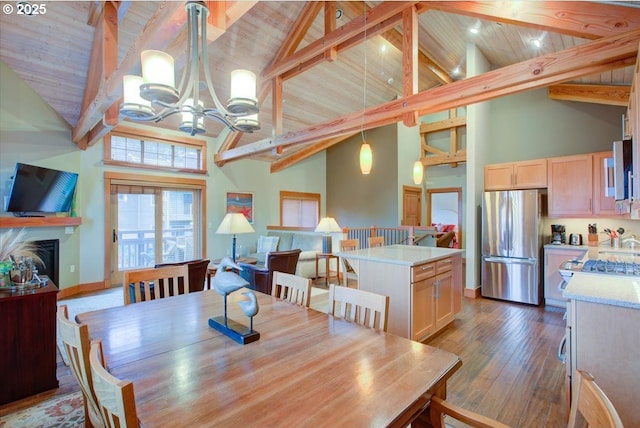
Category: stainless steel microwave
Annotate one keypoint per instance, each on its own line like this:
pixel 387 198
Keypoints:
pixel 622 169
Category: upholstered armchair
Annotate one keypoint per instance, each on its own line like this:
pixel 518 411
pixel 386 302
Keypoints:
pixel 260 277
pixel 197 273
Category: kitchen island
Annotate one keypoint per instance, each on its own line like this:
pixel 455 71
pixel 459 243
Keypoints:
pixel 603 332
pixel 424 285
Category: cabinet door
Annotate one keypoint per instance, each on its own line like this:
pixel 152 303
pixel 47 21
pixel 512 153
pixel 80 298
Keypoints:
pixel 552 278
pixel 602 205
pixel 444 299
pixel 498 176
pixel 530 174
pixel 570 180
pixel 422 308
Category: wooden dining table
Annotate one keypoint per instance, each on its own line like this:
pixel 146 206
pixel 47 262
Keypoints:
pixel 307 369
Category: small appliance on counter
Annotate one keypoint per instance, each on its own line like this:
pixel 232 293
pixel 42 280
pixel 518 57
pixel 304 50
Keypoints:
pixel 575 239
pixel 558 235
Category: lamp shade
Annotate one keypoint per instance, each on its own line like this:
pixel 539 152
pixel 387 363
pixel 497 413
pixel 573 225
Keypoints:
pixel 157 68
pixel 234 223
pixel 328 225
pixel 417 172
pixel 243 84
pixel 366 158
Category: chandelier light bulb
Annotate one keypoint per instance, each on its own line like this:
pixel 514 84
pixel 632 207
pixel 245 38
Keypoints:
pixel 417 172
pixel 366 158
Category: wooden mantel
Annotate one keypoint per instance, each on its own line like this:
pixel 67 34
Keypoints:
pixel 17 222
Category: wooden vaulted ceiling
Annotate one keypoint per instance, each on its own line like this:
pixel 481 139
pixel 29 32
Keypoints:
pixel 323 74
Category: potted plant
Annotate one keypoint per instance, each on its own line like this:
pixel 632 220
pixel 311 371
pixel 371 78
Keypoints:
pixel 14 249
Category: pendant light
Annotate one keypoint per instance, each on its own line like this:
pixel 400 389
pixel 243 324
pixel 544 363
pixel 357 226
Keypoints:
pixel 417 172
pixel 366 155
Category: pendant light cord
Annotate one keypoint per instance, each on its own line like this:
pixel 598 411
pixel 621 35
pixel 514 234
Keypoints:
pixel 364 91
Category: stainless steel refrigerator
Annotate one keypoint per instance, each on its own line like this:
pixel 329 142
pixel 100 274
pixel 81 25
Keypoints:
pixel 511 246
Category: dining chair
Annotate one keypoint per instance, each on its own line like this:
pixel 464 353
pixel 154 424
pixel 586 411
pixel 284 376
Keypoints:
pixel 116 399
pixel 376 241
pixel 592 403
pixel 75 338
pixel 292 288
pixel 151 283
pixel 440 408
pixel 197 273
pixel 260 277
pixel 359 306
pixel 347 270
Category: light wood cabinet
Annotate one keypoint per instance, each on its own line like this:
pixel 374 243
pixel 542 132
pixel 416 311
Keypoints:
pixel 570 180
pixel 604 341
pixel 553 257
pixel 516 175
pixel 432 298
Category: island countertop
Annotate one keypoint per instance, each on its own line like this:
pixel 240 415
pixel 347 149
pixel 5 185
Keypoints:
pixel 605 289
pixel 409 255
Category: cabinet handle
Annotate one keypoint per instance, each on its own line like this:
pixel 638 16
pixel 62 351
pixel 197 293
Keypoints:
pixel 437 284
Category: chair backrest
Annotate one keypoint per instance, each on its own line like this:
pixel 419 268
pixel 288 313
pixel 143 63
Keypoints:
pixel 75 338
pixel 376 241
pixel 348 272
pixel 445 240
pixel 292 288
pixel 350 244
pixel 359 306
pixel 590 401
pixel 439 408
pixel 150 284
pixel 116 398
pixel 197 273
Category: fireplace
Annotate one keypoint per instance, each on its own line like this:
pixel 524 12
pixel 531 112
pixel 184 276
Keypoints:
pixel 48 250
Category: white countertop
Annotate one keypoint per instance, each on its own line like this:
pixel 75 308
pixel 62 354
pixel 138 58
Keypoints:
pixel 605 289
pixel 568 247
pixel 410 255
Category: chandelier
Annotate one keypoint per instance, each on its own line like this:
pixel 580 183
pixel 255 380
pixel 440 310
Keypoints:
pixel 153 96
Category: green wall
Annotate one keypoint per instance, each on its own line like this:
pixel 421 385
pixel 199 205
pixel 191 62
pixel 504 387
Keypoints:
pixel 357 200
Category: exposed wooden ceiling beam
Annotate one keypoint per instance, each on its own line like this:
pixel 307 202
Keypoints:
pixel 354 27
pixel 306 152
pixel 543 71
pixel 394 37
pixel 589 20
pixel 613 95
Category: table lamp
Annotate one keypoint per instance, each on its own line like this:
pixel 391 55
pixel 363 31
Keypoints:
pixel 232 224
pixel 327 225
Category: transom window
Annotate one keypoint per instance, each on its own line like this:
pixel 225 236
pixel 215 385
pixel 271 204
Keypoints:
pixel 144 151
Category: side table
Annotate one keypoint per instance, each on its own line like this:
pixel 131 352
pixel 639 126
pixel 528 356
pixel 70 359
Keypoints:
pixel 327 259
pixel 213 266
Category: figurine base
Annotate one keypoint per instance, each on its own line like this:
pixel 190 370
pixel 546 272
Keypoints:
pixel 238 332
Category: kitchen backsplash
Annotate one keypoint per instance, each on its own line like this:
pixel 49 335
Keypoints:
pixel 580 225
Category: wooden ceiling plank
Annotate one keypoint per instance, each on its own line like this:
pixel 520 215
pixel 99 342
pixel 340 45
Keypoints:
pixel 615 95
pixel 354 27
pixel 589 20
pixel 410 60
pixel 159 31
pixel 306 152
pixel 530 74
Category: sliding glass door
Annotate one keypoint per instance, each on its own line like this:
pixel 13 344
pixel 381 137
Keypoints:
pixel 153 224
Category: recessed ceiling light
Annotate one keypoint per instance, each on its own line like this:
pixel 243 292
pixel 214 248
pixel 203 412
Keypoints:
pixel 474 30
pixel 456 71
pixel 383 48
pixel 537 43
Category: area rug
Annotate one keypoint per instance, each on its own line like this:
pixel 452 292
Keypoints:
pixel 66 411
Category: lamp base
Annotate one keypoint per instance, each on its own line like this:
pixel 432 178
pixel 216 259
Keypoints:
pixel 326 244
pixel 238 332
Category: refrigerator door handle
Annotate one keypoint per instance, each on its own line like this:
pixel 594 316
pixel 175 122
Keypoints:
pixel 507 260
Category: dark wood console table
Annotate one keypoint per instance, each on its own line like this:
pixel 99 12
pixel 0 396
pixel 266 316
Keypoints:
pixel 28 342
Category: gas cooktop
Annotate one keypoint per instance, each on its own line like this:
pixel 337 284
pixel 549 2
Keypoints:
pixel 612 267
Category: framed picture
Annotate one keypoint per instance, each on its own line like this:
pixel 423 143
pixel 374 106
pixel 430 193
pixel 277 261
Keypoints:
pixel 240 202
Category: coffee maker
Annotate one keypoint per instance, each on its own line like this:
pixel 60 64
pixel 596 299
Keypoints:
pixel 558 235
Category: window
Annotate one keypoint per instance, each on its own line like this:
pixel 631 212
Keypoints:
pixel 147 150
pixel 299 209
pixel 153 219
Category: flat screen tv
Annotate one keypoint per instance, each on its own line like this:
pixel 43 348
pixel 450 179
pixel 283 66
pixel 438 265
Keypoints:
pixel 35 189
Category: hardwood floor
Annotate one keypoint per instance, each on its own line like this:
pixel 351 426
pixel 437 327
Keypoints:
pixel 510 371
